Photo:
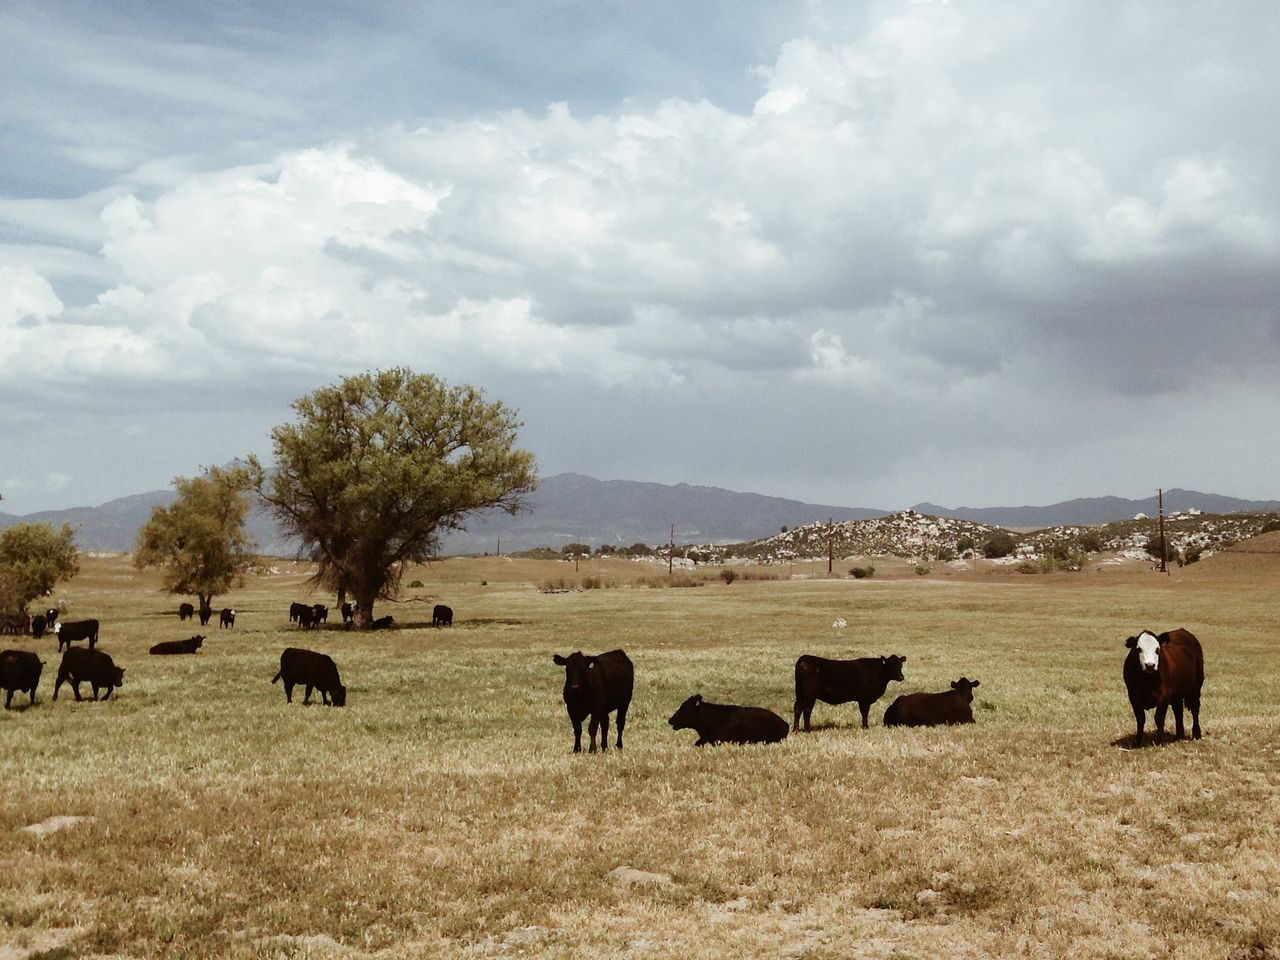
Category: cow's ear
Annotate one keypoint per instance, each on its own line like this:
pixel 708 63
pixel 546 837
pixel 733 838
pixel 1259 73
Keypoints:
pixel 976 683
pixel 955 684
pixel 1131 642
pixel 697 699
pixel 1162 639
pixel 560 661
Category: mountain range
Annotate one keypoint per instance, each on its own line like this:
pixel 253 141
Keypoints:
pixel 573 508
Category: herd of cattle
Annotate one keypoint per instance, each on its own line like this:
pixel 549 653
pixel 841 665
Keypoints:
pixel 1161 672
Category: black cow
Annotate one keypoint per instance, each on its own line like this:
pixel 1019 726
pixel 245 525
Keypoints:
pixel 91 666
pixel 169 647
pixel 306 618
pixel 206 614
pixel 840 681
pixel 227 618
pixel 50 615
pixel 314 670
pixel 75 630
pixel 441 616
pixel 1162 671
pixel 38 624
pixel 348 612
pixel 933 709
pixel 382 623
pixel 295 609
pixel 19 670
pixel 595 686
pixel 726 723
pixel 186 611
pixel 319 613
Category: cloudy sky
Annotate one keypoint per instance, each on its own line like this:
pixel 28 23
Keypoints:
pixel 864 253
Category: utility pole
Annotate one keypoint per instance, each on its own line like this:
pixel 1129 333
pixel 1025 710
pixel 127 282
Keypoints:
pixel 1164 558
pixel 671 550
pixel 831 545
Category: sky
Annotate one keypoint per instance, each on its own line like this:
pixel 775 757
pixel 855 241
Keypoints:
pixel 865 254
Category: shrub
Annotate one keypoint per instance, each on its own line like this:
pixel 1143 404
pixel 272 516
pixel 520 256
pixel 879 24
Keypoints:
pixel 1000 544
pixel 861 573
pixel 1090 542
pixel 1271 526
pixel 590 583
pixel 728 575
pixel 557 585
pixel 921 570
pixel 945 555
pixel 414 584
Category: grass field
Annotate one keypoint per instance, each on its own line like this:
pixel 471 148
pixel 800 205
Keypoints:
pixel 442 814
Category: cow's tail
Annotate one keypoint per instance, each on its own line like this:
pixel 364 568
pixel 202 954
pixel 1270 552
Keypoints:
pixel 276 677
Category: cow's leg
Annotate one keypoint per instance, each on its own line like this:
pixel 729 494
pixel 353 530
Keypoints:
pixel 1193 704
pixel 306 701
pixel 324 696
pixel 592 727
pixel 577 735
pixel 604 731
pixel 1161 710
pixel 95 690
pixel 622 722
pixel 288 692
pixel 8 698
pixel 865 707
pixel 1179 730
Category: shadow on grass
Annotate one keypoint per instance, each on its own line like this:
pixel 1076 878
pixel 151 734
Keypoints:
pixel 1130 741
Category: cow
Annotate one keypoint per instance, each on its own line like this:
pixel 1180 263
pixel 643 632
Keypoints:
pixel 839 681
pixel 38 625
pixel 726 723
pixel 315 671
pixel 933 709
pixel 295 611
pixel 206 614
pixel 596 686
pixel 319 613
pixel 169 647
pixel 19 670
pixel 92 666
pixel 227 618
pixel 348 612
pixel 306 618
pixel 75 630
pixel 15 623
pixel 382 623
pixel 50 615
pixel 186 611
pixel 1162 671
pixel 442 616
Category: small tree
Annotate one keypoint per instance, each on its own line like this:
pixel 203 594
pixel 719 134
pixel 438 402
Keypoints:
pixel 381 464
pixel 999 544
pixel 33 558
pixel 199 540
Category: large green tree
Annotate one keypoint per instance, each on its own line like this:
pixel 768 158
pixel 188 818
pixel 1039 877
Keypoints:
pixel 199 540
pixel 378 466
pixel 33 558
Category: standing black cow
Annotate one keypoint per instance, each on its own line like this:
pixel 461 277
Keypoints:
pixel 206 614
pixel 442 616
pixel 315 670
pixel 186 611
pixel 840 681
pixel 319 613
pixel 38 624
pixel 227 618
pixel 295 611
pixel 75 630
pixel 306 618
pixel 725 723
pixel 348 612
pixel 97 668
pixel 19 670
pixel 595 686
pixel 50 615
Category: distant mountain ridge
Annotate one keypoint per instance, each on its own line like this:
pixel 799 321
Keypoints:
pixel 574 508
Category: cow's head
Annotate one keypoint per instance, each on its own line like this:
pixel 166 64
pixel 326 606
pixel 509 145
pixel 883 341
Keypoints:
pixel 118 677
pixel 1147 647
pixel 577 670
pixel 339 695
pixel 891 667
pixel 197 642
pixel 687 715
pixel 965 686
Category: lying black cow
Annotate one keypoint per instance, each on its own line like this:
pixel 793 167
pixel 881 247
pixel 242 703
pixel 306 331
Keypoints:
pixel 840 681
pixel 38 625
pixel 596 686
pixel 382 623
pixel 88 666
pixel 227 618
pixel 725 723
pixel 74 631
pixel 314 670
pixel 170 647
pixel 19 670
pixel 186 611
pixel 933 709
pixel 442 616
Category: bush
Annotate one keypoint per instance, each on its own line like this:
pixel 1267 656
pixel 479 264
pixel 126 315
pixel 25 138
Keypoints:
pixel 999 545
pixel 557 585
pixel 921 570
pixel 1090 542
pixel 684 580
pixel 1271 526
pixel 861 573
pixel 591 583
pixel 945 555
pixel 415 584
pixel 728 575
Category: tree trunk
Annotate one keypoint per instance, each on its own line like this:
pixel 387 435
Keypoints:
pixel 363 612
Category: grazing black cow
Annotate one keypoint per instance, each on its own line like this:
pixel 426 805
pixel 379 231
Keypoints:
pixel 1162 671
pixel 91 666
pixel 441 616
pixel 75 630
pixel 227 618
pixel 348 612
pixel 319 613
pixel 840 681
pixel 19 670
pixel 315 670
pixel 726 723
pixel 206 614
pixel 38 624
pixel 382 623
pixel 169 647
pixel 595 686
pixel 186 611
pixel 933 709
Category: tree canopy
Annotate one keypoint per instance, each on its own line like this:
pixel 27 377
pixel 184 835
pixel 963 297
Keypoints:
pixel 33 558
pixel 199 540
pixel 378 466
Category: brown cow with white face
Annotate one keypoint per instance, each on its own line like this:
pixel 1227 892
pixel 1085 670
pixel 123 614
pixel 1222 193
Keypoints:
pixel 1164 670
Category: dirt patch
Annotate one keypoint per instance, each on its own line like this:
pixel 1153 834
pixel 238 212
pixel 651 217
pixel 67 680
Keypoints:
pixel 38 943
pixel 54 824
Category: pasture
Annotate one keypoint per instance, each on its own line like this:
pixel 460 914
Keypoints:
pixel 442 814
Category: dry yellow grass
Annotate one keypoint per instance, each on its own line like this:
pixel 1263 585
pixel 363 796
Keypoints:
pixel 441 813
